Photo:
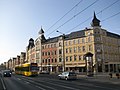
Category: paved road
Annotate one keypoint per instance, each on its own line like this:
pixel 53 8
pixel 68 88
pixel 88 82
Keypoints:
pixel 1 82
pixel 51 82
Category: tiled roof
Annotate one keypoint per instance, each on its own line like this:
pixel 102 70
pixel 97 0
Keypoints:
pixel 113 35
pixel 77 34
pixel 51 40
pixel 73 35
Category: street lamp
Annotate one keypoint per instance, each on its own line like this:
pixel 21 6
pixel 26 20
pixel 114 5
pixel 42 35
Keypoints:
pixel 63 37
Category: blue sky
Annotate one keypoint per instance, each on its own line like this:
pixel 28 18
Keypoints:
pixel 22 19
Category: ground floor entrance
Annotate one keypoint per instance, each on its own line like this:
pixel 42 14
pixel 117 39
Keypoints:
pixel 112 67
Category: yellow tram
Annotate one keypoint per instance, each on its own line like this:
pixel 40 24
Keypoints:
pixel 27 69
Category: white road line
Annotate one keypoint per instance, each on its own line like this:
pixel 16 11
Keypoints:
pixel 29 81
pixel 40 88
pixel 18 78
pixel 59 86
pixel 26 82
pixel 62 86
pixel 3 84
pixel 46 86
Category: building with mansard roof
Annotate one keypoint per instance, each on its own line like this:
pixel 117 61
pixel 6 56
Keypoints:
pixel 72 51
pixel 30 52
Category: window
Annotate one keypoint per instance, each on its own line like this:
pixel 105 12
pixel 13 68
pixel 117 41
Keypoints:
pixel 66 50
pixel 97 38
pixel 52 52
pixel 75 49
pixel 45 46
pixel 83 41
pixel 78 41
pixel 89 39
pixel 55 52
pixel 70 50
pixel 83 48
pixel 52 60
pixel 42 47
pixel 42 53
pixel 43 61
pixel 66 59
pixel 51 45
pixel 45 53
pixel 37 61
pixel 54 45
pixel 48 60
pixel 75 57
pixel 74 42
pixel 48 53
pixel 90 47
pixel 48 46
pixel 80 57
pixel 60 44
pixel 60 51
pixel 55 60
pixel 37 43
pixel 66 43
pixel 37 55
pixel 70 43
pixel 60 59
pixel 70 58
pixel 79 49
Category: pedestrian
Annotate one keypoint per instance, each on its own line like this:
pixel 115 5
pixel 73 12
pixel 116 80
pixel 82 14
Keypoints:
pixel 110 75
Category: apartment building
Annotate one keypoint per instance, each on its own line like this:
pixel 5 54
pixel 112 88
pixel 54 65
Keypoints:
pixel 70 50
pixel 22 57
pixel 30 52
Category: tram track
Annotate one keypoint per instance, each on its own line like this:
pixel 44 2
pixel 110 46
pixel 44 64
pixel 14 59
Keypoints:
pixel 47 84
pixel 75 85
pixel 2 83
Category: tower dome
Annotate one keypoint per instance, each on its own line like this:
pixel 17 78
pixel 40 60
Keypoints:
pixel 41 31
pixel 95 21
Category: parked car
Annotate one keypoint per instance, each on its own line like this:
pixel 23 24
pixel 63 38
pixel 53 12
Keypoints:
pixel 44 72
pixel 67 75
pixel 7 73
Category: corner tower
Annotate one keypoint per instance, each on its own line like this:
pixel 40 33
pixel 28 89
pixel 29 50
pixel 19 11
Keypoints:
pixel 95 21
pixel 41 35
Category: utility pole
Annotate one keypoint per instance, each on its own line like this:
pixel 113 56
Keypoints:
pixel 63 38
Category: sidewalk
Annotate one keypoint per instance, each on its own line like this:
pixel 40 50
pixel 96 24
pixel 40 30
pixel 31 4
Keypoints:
pixel 101 78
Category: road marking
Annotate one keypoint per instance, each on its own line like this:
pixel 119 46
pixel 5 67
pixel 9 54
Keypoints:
pixel 30 82
pixel 3 84
pixel 57 85
pixel 18 78
pixel 40 88
pixel 26 82
pixel 62 86
pixel 46 86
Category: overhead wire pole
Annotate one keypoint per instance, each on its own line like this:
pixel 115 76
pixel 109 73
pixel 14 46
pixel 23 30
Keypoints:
pixel 63 37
